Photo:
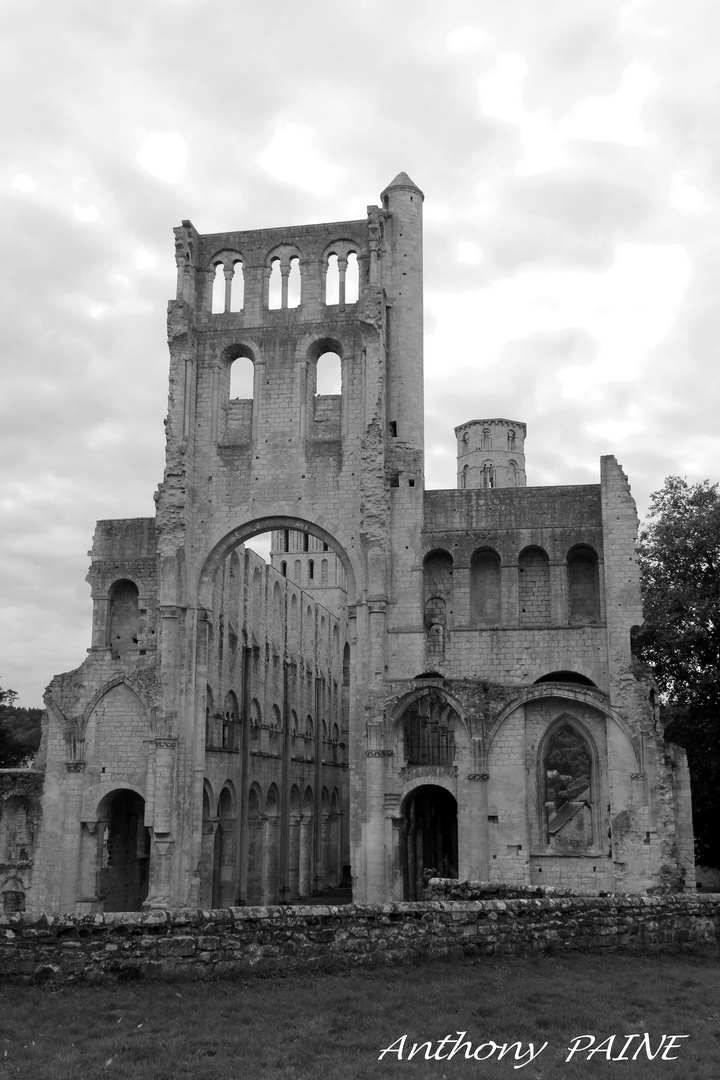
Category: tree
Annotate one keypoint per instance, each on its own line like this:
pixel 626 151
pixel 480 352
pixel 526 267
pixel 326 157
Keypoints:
pixel 19 731
pixel 680 639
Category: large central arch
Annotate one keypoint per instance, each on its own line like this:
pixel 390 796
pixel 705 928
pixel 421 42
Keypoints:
pixel 336 540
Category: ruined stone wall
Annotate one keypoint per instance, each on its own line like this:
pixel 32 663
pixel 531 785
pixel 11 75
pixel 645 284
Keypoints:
pixel 202 944
pixel 20 823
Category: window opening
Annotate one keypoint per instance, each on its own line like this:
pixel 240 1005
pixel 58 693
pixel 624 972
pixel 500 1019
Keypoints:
pixel 332 281
pixel 352 279
pixel 237 293
pixel 218 290
pixel 275 285
pixel 293 293
pixel 567 772
pixel 328 374
pixel 242 378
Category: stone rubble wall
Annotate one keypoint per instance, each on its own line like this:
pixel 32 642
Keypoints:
pixel 234 942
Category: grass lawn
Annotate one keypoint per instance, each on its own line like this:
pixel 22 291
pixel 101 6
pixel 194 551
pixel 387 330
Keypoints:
pixel 333 1027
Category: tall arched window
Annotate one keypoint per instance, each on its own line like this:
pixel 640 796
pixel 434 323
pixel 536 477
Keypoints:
pixel 294 284
pixel 230 729
pixel 332 281
pixel 218 290
pixel 488 474
pixel 242 378
pixel 583 585
pixel 275 285
pixel 438 588
pixel 429 731
pixel 485 599
pixel 328 374
pixel 352 279
pixel 237 295
pixel 124 620
pixel 486 440
pixel 567 780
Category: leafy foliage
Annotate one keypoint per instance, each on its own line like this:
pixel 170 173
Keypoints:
pixel 19 731
pixel 680 639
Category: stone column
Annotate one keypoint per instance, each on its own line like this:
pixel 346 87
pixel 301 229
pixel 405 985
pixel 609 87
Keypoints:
pixel 71 889
pixel 270 860
pixel 294 845
pixel 161 893
pixel 305 857
pixel 90 856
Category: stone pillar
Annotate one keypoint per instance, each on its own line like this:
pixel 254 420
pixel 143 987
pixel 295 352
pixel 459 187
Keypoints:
pixel 206 864
pixel 161 893
pixel 270 860
pixel 375 827
pixel 474 849
pixel 305 857
pixel 90 856
pixel 71 889
pixel 294 845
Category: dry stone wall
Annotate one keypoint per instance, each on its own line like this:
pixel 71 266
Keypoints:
pixel 195 944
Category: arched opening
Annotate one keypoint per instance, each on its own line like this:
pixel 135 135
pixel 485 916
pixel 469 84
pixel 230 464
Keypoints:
pixel 485 597
pixel 583 585
pixel 438 589
pixel 242 378
pixel 237 295
pixel 566 768
pixel 275 285
pixel 328 379
pixel 428 731
pixel 224 852
pixel 332 281
pixel 217 305
pixel 566 677
pixel 230 725
pixel 294 284
pixel 428 838
pixel 124 872
pixel 352 279
pixel 124 619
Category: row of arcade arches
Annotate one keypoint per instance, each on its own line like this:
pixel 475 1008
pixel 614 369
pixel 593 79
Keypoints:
pixel 341 273
pixel 271 856
pixel 534 592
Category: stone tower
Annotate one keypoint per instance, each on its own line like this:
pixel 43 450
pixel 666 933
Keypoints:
pixel 491 453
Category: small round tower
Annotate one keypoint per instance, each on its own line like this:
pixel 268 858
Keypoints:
pixel 491 454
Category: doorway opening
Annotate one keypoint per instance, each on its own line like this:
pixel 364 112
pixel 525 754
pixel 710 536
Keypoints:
pixel 428 838
pixel 124 873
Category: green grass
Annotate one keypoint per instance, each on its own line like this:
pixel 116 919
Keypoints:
pixel 334 1026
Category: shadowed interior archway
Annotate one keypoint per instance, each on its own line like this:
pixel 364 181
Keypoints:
pixel 428 837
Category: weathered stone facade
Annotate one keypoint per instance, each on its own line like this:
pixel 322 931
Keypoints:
pixel 455 687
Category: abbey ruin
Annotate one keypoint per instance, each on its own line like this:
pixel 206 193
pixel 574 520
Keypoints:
pixel 416 679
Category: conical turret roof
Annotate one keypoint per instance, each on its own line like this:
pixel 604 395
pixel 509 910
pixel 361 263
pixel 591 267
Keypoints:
pixel 402 180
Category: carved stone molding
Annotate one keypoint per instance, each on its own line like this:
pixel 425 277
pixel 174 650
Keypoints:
pixel 478 776
pixel 75 766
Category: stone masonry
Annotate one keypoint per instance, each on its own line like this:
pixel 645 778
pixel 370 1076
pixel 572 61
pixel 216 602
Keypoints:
pixel 420 680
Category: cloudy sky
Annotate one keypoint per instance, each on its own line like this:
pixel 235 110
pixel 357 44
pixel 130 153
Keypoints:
pixel 570 157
